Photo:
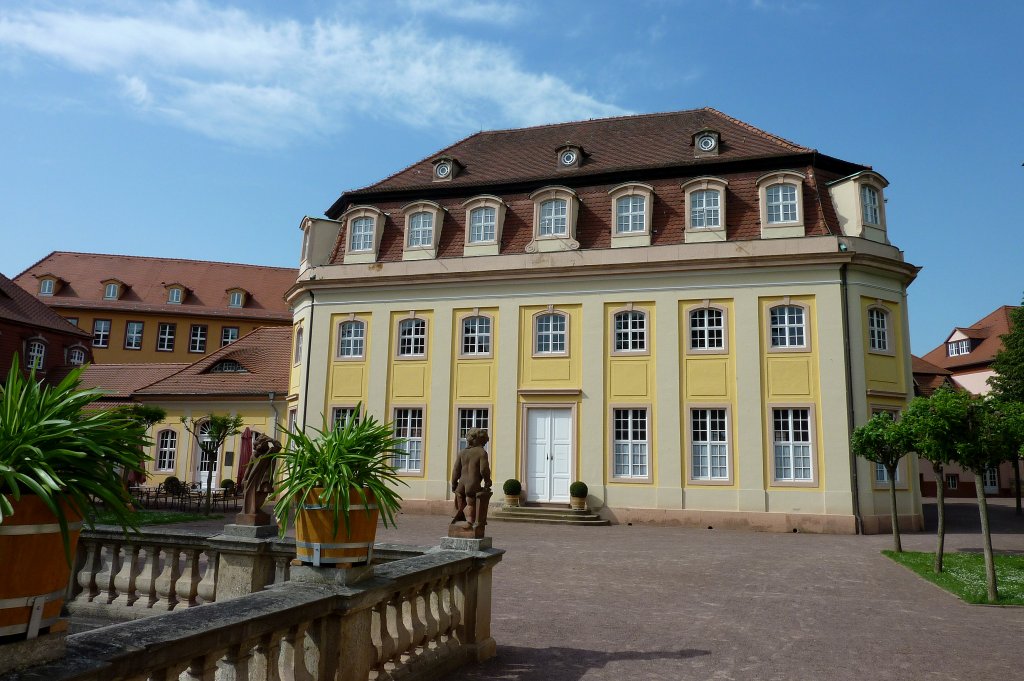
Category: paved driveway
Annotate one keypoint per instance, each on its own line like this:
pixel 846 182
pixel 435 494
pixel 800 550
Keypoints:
pixel 643 602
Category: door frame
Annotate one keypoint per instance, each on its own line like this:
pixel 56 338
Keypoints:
pixel 990 489
pixel 524 424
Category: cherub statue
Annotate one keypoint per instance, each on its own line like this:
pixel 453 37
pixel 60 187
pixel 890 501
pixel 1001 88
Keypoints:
pixel 258 482
pixel 470 477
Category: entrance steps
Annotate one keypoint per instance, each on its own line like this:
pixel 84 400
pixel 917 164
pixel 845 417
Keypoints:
pixel 546 515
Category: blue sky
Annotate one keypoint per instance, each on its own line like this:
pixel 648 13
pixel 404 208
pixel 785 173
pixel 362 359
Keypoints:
pixel 202 129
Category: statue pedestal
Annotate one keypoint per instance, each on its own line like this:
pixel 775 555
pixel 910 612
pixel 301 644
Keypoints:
pixel 462 529
pixel 259 518
pixel 244 565
pixel 460 544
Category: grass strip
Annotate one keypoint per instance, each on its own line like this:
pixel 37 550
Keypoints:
pixel 963 574
pixel 154 517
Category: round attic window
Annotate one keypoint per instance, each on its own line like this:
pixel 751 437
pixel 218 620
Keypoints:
pixel 443 170
pixel 568 157
pixel 706 142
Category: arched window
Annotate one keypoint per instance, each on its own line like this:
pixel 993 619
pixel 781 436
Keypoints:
pixel 421 229
pixel 476 335
pixel 707 329
pixel 788 326
pixel 361 234
pixel 878 329
pixel 35 354
pixel 166 450
pixel 482 224
pixel 76 356
pixel 351 338
pixel 412 338
pixel 782 203
pixel 297 353
pixel 550 333
pixel 630 331
pixel 553 218
pixel 869 205
pixel 629 214
pixel 705 209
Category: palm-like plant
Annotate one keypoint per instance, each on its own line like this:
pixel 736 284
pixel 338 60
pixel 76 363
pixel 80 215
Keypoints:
pixel 55 446
pixel 354 458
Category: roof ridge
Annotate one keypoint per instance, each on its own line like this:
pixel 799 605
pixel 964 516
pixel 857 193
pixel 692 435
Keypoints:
pixel 155 257
pixel 758 131
pixel 418 161
pixel 653 114
pixel 25 271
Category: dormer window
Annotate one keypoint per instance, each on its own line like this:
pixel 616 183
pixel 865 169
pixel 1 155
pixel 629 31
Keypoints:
pixel 445 169
pixel 364 226
pixel 705 209
pixel 631 214
pixel 554 220
pixel 236 297
pixel 958 347
pixel 860 205
pixel 46 287
pixel 111 290
pixel 781 199
pixel 569 155
pixel 227 366
pixel 869 204
pixel 485 217
pixel 174 295
pixel 705 143
pixel 423 221
pixel 49 284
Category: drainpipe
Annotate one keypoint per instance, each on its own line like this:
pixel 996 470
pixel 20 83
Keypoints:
pixel 858 520
pixel 309 348
pixel 277 417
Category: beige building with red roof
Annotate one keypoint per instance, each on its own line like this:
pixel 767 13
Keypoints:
pixel 140 309
pixel 685 312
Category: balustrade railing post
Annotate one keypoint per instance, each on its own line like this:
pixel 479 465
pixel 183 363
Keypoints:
pixel 110 565
pixel 357 651
pixel 124 580
pixel 207 588
pixel 188 582
pixel 167 582
pixel 86 576
pixel 145 582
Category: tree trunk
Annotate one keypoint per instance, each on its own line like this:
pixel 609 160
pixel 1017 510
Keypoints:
pixel 940 507
pixel 209 480
pixel 1016 481
pixel 894 516
pixel 990 566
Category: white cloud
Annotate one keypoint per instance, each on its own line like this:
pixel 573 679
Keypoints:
pixel 231 75
pixel 487 11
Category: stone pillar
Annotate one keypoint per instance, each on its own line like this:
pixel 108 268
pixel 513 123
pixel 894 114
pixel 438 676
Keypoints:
pixel 244 564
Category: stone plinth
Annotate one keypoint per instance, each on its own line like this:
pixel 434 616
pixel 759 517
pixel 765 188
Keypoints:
pixel 244 565
pixel 465 544
pixel 332 576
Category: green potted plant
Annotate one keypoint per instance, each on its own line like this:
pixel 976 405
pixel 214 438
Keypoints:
pixel 578 496
pixel 512 489
pixel 60 459
pixel 337 483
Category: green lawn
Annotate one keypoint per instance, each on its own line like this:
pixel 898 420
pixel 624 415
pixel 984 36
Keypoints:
pixel 144 517
pixel 963 574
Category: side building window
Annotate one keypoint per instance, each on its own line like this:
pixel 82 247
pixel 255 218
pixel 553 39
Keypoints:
pixel 351 338
pixel 167 448
pixel 197 338
pixel 165 337
pixel 297 350
pixel 36 354
pixel 342 415
pixel 409 427
pixel 412 337
pixel 709 444
pixel 76 356
pixel 878 329
pixel 228 335
pixel 101 333
pixel 476 335
pixel 630 443
pixel 550 334
pixel 788 326
pixel 133 335
pixel 791 438
pixel 472 418
pixel 707 329
pixel 630 331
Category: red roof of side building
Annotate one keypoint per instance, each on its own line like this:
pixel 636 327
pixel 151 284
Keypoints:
pixel 985 336
pixel 264 356
pixel 120 381
pixel 207 285
pixel 928 377
pixel 20 307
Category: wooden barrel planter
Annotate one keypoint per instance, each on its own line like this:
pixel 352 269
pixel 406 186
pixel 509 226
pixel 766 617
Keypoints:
pixel 33 571
pixel 317 544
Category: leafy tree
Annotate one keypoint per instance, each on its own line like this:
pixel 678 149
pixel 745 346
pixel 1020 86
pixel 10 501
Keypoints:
pixel 1008 381
pixel 934 422
pixel 885 441
pixel 987 437
pixel 210 432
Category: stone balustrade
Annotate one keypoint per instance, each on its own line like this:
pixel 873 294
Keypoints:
pixel 414 618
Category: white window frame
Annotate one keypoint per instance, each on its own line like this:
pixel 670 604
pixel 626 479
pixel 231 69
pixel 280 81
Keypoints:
pixel 958 347
pixel 348 218
pixel 473 246
pixel 710 456
pixel 46 287
pixel 699 232
pixel 784 340
pixel 133 341
pixel 421 230
pixel 339 414
pixel 627 333
pixel 175 295
pixel 639 218
pixel 228 335
pixel 410 426
pixel 480 340
pixel 297 344
pixel 165 336
pixel 707 331
pixel 784 451
pixel 952 481
pixel 411 338
pixel 784 224
pixel 111 291
pixel 351 346
pixel 545 220
pixel 635 446
pixel 630 214
pixel 466 417
pixel 101 333
pixel 236 299
pixel 166 449
pixel 878 326
pixel 870 201
pixel 197 335
pixel 76 355
pixel 551 336
pixel 420 241
pixel 483 225
pixel 35 354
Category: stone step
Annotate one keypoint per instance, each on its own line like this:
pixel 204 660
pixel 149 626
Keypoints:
pixel 542 514
pixel 549 521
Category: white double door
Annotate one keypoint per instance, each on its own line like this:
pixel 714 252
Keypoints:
pixel 549 434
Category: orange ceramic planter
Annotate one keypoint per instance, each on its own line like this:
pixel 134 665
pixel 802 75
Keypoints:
pixel 317 544
pixel 33 571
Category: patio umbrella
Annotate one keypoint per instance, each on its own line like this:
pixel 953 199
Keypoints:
pixel 244 454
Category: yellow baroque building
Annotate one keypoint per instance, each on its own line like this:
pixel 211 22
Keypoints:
pixel 683 311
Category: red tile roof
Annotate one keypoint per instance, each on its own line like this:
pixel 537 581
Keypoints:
pixel 208 283
pixel 646 141
pixel 985 333
pixel 20 307
pixel 265 354
pixel 121 380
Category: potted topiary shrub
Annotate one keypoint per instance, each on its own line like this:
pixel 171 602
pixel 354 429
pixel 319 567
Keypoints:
pixel 60 459
pixel 512 489
pixel 578 496
pixel 338 483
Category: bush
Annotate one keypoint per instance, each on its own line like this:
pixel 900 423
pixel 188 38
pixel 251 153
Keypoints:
pixel 227 483
pixel 512 488
pixel 579 490
pixel 173 485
